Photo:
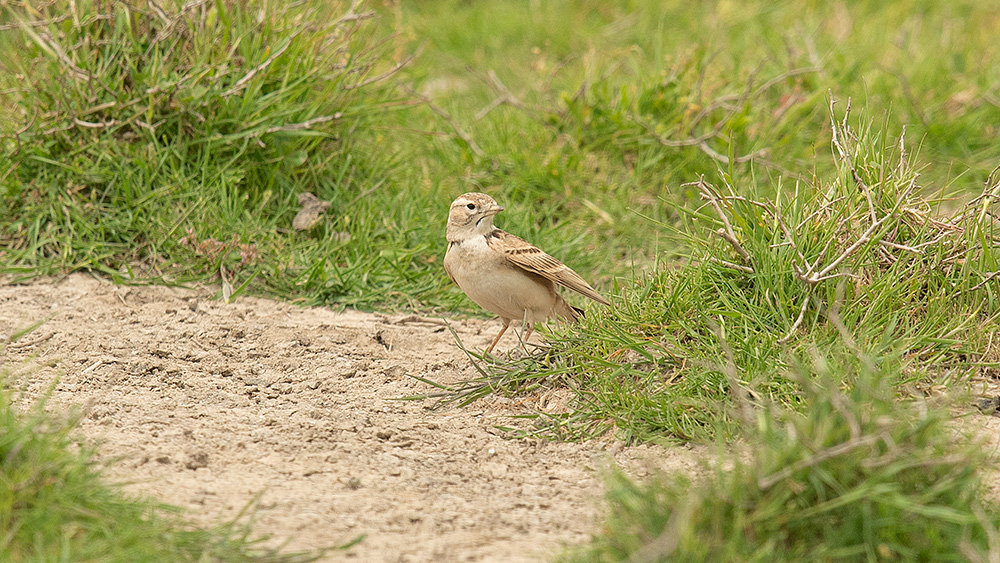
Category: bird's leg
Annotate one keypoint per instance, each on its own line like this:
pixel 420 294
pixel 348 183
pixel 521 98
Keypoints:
pixel 526 328
pixel 527 334
pixel 506 324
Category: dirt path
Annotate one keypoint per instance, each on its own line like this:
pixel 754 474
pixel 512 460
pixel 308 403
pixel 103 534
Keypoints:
pixel 207 405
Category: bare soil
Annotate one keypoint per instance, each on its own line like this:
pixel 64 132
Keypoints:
pixel 207 405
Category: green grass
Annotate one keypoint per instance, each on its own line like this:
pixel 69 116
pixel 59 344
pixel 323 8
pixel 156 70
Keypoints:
pixel 913 283
pixel 855 474
pixel 613 107
pixel 620 136
pixel 162 134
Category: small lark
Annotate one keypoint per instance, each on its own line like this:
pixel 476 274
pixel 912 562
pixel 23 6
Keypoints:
pixel 503 273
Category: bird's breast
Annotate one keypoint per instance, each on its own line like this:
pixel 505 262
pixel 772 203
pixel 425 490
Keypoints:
pixel 496 285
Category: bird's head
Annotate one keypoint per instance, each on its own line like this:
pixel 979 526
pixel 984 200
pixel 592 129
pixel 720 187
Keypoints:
pixel 471 214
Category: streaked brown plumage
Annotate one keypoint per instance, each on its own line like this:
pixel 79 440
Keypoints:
pixel 504 273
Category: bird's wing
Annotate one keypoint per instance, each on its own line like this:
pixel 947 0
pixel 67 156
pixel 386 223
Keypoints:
pixel 529 257
pixel 447 267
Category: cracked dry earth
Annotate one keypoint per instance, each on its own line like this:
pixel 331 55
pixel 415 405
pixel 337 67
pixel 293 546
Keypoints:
pixel 206 405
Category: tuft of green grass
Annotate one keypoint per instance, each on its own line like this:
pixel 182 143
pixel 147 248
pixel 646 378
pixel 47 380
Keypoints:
pixel 170 142
pixel 915 285
pixel 853 474
pixel 56 505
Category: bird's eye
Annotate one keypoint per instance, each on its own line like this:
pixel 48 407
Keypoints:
pixel 471 206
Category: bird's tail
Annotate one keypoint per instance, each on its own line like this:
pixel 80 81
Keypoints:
pixel 567 311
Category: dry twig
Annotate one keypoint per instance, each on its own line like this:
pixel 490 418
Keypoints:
pixel 308 124
pixel 396 68
pixel 451 121
pixel 768 481
pixel 727 233
pixel 798 320
pixel 504 96
pixel 242 82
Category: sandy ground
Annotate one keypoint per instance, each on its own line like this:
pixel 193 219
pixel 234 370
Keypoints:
pixel 206 405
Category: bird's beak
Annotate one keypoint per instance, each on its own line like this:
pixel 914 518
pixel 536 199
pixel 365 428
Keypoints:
pixel 494 210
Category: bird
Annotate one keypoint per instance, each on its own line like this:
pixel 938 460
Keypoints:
pixel 504 273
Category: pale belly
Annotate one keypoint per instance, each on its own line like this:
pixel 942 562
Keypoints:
pixel 498 287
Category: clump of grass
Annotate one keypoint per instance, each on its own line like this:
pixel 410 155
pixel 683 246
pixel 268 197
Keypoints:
pixel 913 279
pixel 127 124
pixel 853 474
pixel 55 504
